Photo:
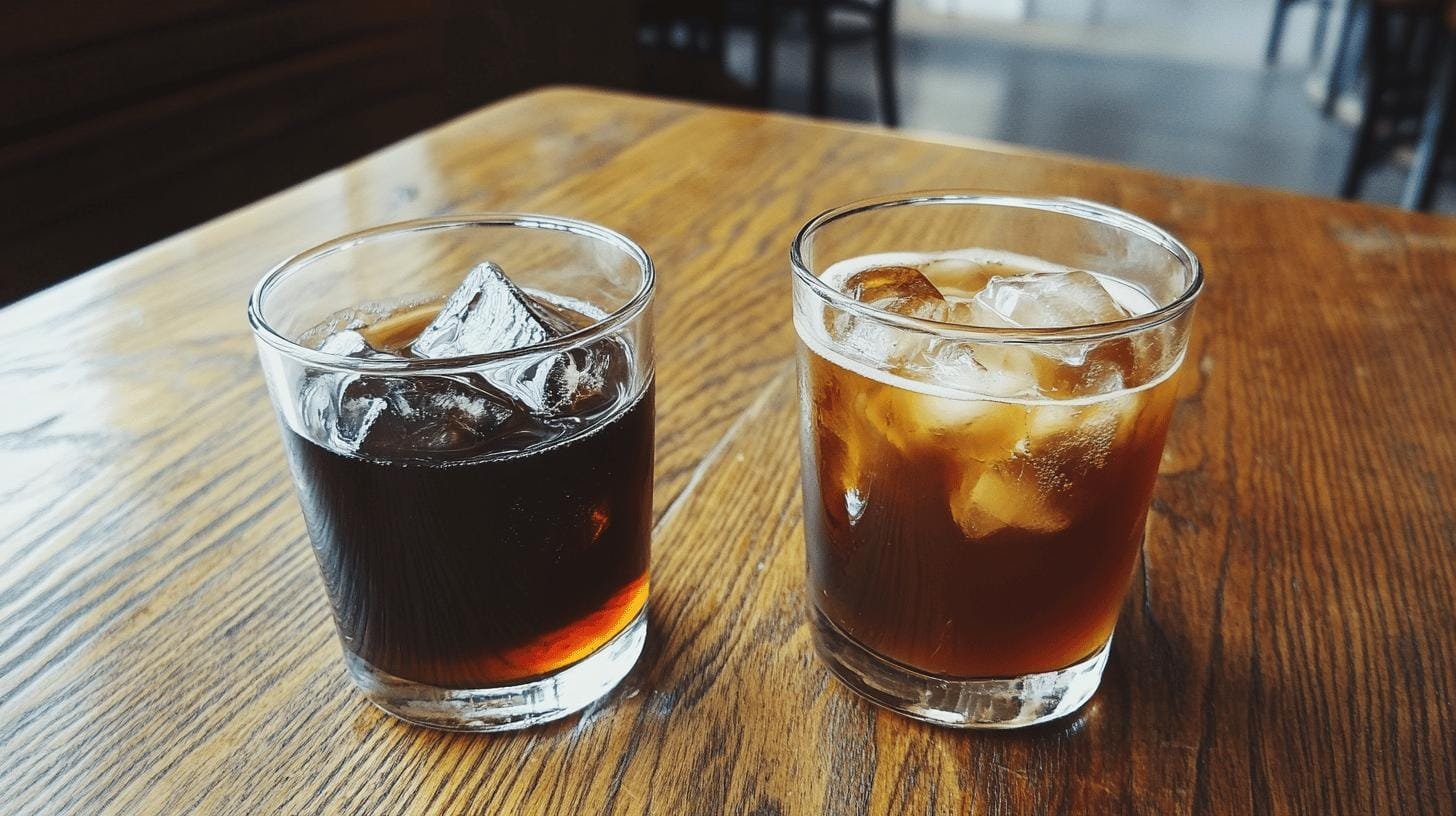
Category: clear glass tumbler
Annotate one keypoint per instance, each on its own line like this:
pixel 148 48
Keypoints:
pixel 986 384
pixel 481 520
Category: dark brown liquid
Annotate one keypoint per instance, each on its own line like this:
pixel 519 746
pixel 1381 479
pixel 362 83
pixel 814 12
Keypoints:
pixel 490 570
pixel 904 560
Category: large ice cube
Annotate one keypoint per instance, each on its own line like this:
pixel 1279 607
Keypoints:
pixel 900 289
pixel 986 430
pixel 395 416
pixel 326 413
pixel 1046 300
pixel 1058 300
pixel 577 382
pixel 1009 494
pixel 1072 446
pixel 436 416
pixel 981 369
pixel 1067 444
pixel 404 417
pixel 487 313
pixel 840 483
pixel 1050 475
pixel 1083 369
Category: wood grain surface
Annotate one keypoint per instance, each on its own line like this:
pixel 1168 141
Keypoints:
pixel 165 643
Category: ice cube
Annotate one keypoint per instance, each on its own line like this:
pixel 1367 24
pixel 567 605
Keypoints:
pixel 900 289
pixel 339 421
pixel 984 430
pixel 1051 419
pixel 854 504
pixel 349 343
pixel 403 417
pixel 981 429
pixel 846 491
pixel 890 412
pixel 1046 300
pixel 866 339
pixel 1008 495
pixel 487 313
pixel 1070 370
pixel 961 276
pixel 982 369
pixel 1048 477
pixel 1068 445
pixel 880 283
pixel 578 382
pixel 320 402
pixel 967 313
pixel 398 417
pixel 1058 300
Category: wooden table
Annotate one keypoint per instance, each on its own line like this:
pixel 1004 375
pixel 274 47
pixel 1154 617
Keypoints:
pixel 165 646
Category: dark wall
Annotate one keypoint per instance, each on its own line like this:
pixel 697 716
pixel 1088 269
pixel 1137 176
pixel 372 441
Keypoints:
pixel 124 122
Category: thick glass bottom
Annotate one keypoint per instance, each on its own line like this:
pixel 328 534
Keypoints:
pixel 504 708
pixel 1000 702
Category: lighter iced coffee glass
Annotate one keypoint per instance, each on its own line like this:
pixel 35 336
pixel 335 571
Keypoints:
pixel 986 386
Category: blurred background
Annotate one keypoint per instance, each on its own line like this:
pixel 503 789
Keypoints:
pixel 124 123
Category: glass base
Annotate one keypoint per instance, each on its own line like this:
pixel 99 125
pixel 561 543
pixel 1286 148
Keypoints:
pixel 504 708
pixel 1010 702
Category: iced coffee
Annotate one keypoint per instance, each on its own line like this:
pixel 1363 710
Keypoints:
pixel 975 486
pixel 474 465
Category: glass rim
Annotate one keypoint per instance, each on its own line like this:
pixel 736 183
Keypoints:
pixel 1062 205
pixel 600 328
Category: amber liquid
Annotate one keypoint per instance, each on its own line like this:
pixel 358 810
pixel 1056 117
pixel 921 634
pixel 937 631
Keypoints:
pixel 915 557
pixel 489 571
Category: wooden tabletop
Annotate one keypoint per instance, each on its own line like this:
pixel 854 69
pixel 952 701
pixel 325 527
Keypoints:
pixel 1289 645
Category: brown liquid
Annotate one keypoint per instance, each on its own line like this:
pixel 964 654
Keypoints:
pixel 483 569
pixel 997 544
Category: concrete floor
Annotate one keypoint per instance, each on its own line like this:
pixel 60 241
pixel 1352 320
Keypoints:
pixel 1177 86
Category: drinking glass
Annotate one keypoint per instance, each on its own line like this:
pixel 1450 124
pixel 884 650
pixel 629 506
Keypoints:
pixel 975 496
pixel 481 521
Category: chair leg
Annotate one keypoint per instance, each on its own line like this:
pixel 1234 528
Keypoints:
pixel 1346 53
pixel 1360 150
pixel 885 56
pixel 1321 29
pixel 818 57
pixel 1276 32
pixel 1363 147
pixel 1420 185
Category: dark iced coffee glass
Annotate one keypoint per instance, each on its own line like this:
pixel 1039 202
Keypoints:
pixel 467 408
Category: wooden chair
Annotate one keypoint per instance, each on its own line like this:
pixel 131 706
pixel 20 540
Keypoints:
pixel 1403 46
pixel 1431 149
pixel 1349 44
pixel 871 19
